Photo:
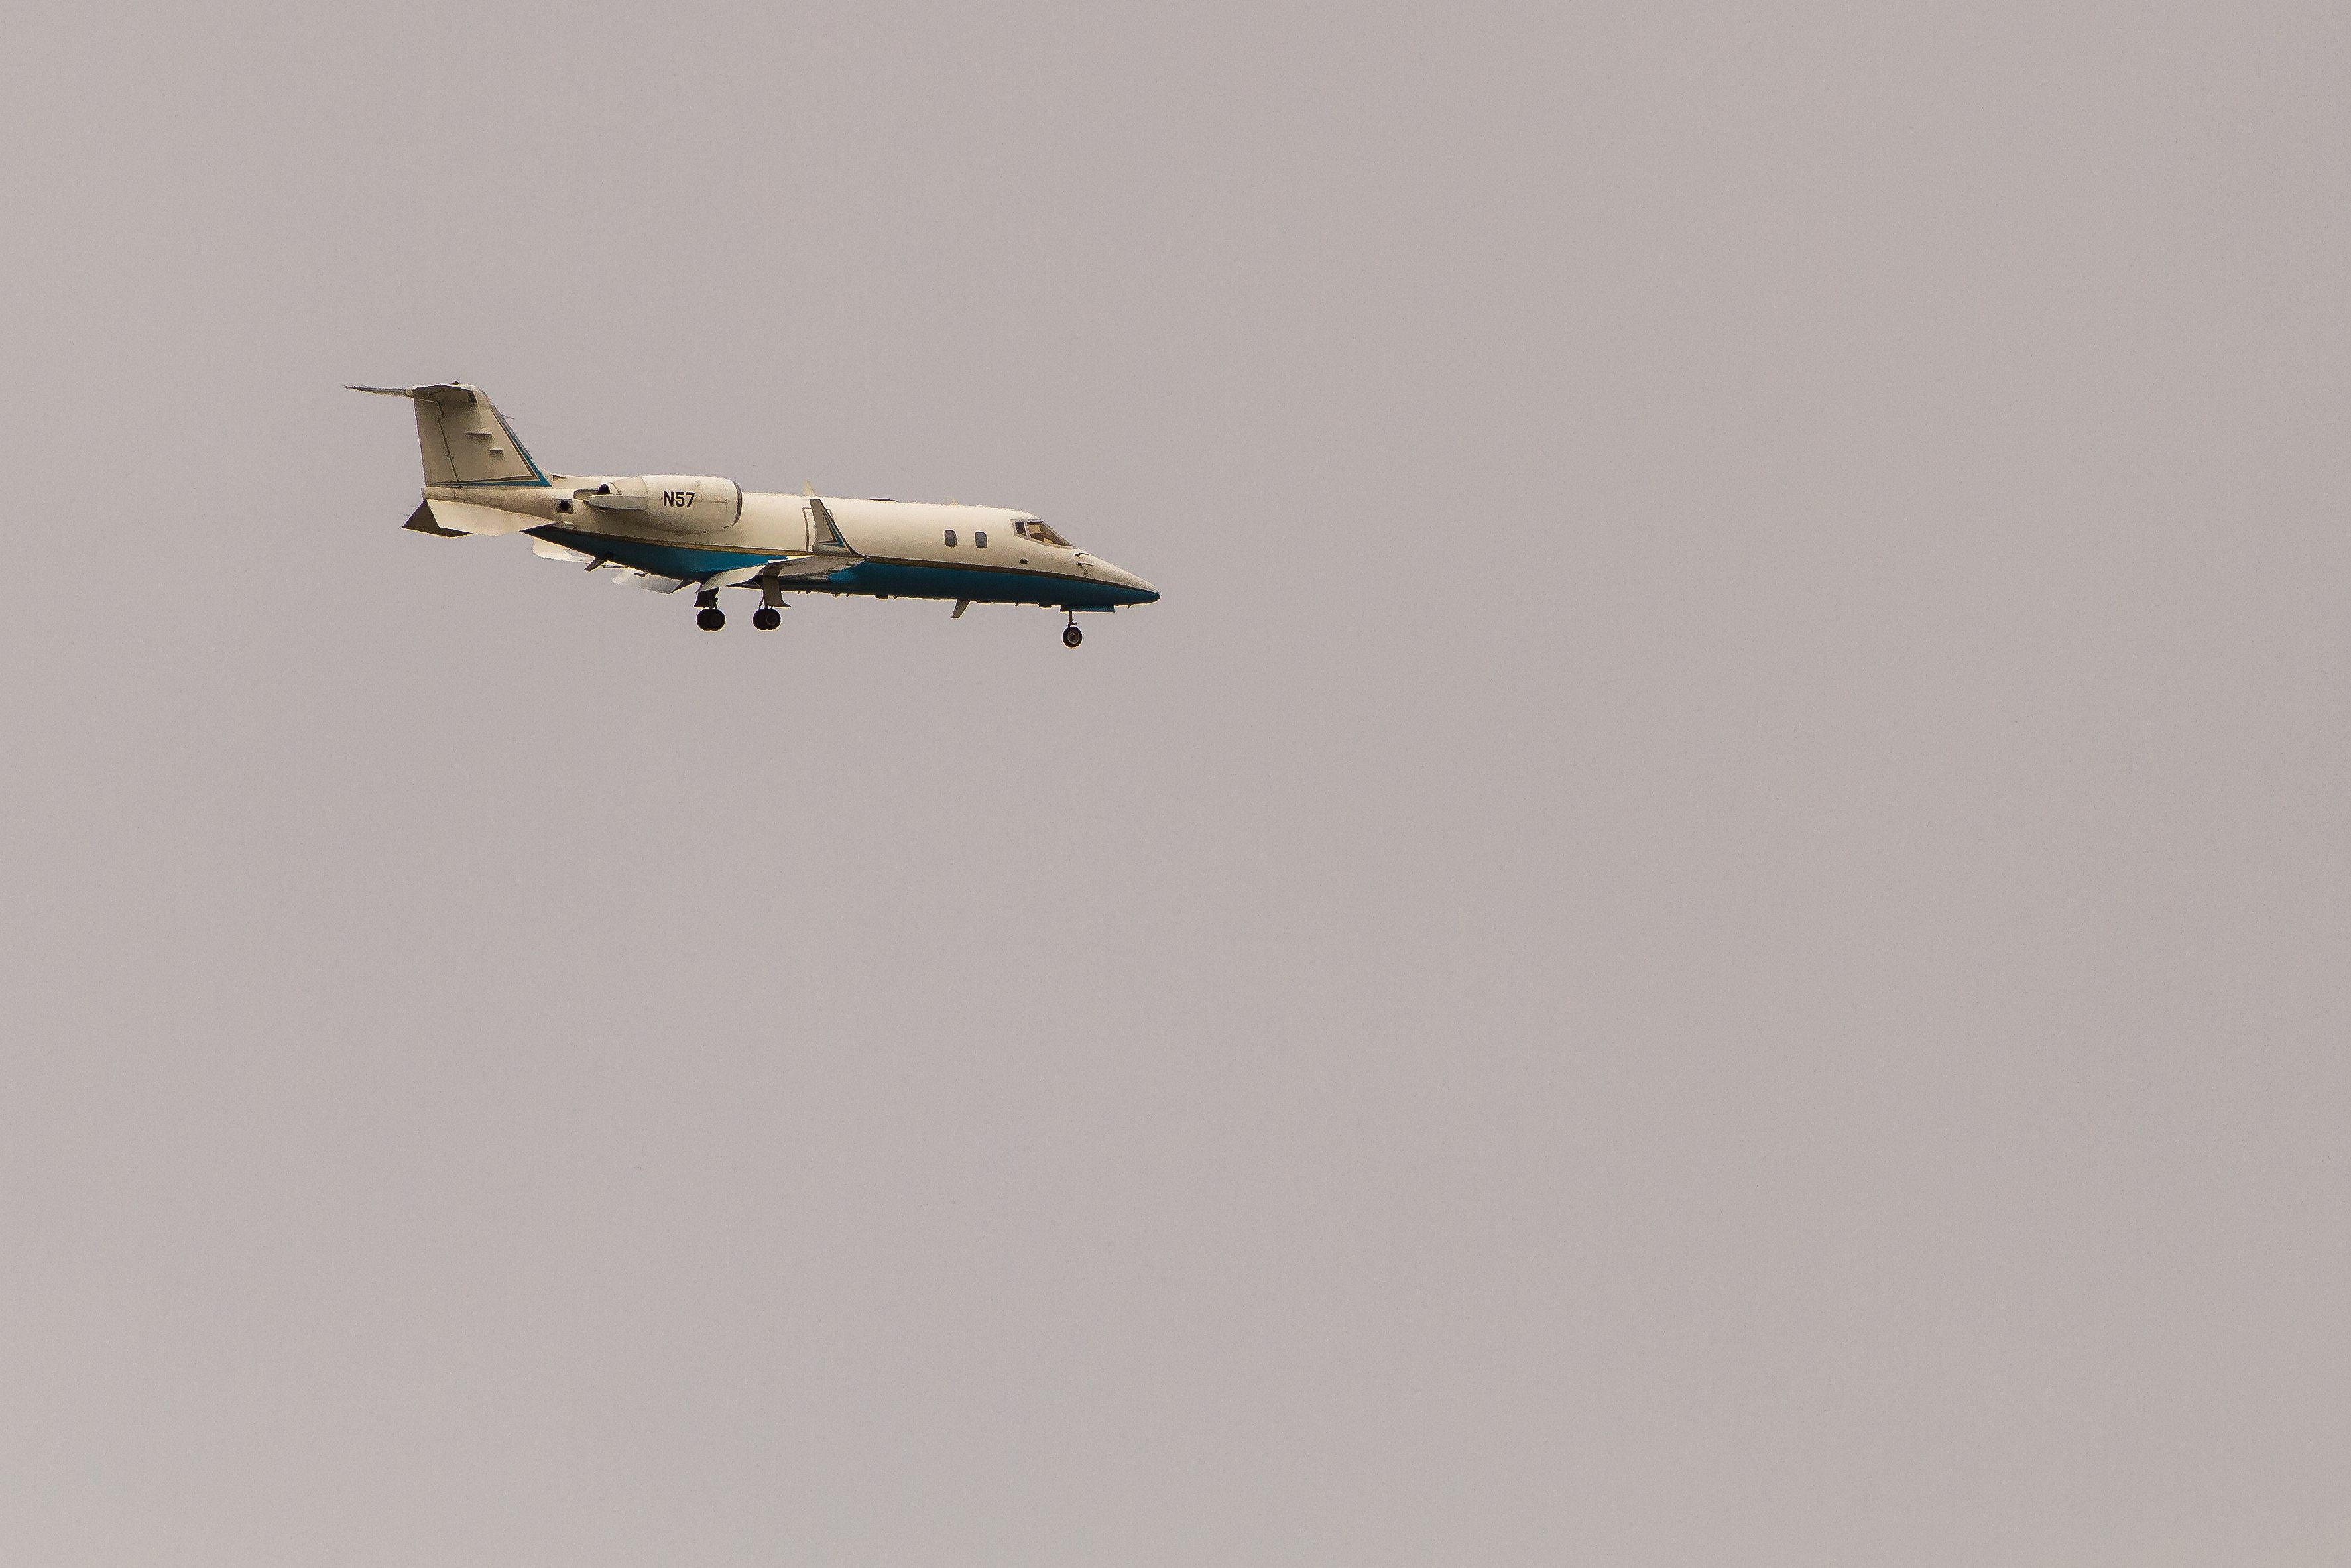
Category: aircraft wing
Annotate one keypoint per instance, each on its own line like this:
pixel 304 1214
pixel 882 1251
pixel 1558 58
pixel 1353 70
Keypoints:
pixel 784 569
pixel 809 566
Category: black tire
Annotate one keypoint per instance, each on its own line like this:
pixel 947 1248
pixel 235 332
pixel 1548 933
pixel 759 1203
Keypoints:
pixel 767 618
pixel 711 620
pixel 1072 636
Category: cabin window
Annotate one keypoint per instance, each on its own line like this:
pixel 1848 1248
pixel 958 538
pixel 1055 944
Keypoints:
pixel 950 538
pixel 979 539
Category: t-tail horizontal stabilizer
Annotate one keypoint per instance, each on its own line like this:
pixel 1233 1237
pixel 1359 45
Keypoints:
pixel 463 439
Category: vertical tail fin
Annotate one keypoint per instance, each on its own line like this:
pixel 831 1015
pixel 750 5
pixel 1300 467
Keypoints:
pixel 463 438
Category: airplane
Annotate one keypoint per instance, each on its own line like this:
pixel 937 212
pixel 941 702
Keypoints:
pixel 667 531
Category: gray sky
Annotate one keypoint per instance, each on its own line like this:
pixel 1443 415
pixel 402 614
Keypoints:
pixel 1710 926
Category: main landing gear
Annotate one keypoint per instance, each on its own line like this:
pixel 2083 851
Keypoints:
pixel 771 613
pixel 710 618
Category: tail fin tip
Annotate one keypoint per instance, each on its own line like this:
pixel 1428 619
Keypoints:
pixel 463 444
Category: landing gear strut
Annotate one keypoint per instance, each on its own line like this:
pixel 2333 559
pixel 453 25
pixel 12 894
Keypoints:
pixel 712 618
pixel 771 613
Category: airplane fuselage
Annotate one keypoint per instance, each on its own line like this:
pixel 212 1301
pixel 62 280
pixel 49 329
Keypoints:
pixel 909 549
pixel 672 532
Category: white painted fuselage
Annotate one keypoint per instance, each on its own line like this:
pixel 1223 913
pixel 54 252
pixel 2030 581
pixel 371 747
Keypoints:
pixel 673 531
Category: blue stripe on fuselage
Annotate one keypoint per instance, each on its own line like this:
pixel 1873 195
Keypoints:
pixel 907 580
pixel 913 579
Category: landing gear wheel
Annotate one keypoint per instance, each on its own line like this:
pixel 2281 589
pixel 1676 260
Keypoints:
pixel 711 620
pixel 1072 636
pixel 767 618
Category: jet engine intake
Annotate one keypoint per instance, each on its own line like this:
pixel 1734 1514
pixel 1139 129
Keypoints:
pixel 674 503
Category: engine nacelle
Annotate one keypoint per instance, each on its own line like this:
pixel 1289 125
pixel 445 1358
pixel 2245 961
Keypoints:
pixel 674 503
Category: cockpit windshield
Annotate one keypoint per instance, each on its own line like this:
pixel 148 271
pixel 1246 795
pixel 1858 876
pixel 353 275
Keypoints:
pixel 1031 528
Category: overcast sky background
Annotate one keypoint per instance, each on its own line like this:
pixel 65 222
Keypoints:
pixel 1708 928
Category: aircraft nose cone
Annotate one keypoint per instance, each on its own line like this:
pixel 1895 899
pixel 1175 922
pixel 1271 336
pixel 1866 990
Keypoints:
pixel 1127 580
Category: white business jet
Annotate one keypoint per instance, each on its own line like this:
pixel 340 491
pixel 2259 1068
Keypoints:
pixel 668 531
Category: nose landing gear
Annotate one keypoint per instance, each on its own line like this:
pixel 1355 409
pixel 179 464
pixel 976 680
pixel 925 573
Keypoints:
pixel 712 618
pixel 1071 635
